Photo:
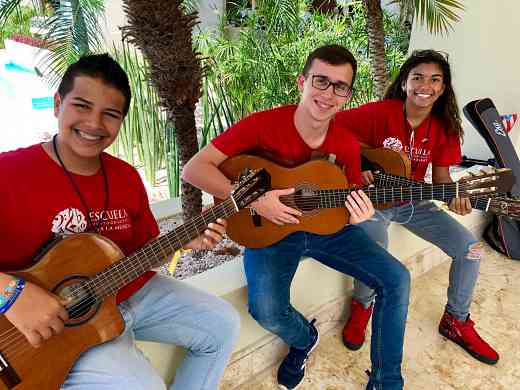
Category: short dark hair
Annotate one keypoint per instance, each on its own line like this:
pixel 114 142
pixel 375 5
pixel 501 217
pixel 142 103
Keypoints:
pixel 445 107
pixel 100 66
pixel 332 55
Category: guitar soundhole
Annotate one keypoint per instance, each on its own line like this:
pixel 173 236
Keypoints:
pixel 306 198
pixel 82 302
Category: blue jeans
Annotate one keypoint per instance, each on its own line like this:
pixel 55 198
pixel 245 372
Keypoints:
pixel 164 310
pixel 270 271
pixel 432 224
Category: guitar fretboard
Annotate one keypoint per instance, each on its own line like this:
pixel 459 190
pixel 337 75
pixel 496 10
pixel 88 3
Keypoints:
pixel 156 252
pixel 385 179
pixel 410 192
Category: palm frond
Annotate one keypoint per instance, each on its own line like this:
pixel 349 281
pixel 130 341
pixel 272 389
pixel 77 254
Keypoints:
pixel 72 31
pixel 280 15
pixel 7 7
pixel 190 6
pixel 437 15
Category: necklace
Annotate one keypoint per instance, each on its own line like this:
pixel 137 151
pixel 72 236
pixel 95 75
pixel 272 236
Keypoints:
pixel 77 190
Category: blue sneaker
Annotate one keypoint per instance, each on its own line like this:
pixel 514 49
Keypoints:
pixel 292 369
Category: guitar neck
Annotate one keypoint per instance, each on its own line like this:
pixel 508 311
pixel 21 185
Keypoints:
pixel 156 252
pixel 404 193
pixel 477 202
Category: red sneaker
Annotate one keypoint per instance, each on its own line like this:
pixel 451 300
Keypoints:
pixel 465 335
pixel 356 326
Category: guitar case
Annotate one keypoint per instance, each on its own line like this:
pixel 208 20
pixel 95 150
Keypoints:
pixel 503 233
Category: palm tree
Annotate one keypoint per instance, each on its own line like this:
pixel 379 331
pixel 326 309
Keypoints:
pixel 72 30
pixel 162 29
pixel 438 15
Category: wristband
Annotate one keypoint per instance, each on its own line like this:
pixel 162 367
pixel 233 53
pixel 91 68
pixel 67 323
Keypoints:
pixel 11 292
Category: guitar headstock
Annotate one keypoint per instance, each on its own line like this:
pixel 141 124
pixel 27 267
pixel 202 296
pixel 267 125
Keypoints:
pixel 488 182
pixel 505 206
pixel 250 186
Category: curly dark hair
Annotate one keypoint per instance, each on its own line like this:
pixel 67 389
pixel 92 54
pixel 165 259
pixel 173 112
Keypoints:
pixel 445 107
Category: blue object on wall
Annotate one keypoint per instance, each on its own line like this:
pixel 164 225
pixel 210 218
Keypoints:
pixel 42 103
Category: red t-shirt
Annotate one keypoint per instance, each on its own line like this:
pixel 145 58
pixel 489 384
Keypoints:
pixel 37 199
pixel 383 124
pixel 274 132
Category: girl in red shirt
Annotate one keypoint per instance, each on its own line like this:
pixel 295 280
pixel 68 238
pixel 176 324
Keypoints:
pixel 419 116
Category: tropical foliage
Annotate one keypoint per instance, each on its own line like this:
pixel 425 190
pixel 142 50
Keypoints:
pixel 142 137
pixel 70 28
pixel 257 68
pixel 18 23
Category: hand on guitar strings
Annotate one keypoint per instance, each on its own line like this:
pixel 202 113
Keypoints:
pixel 211 236
pixel 461 206
pixel 38 314
pixel 270 206
pixel 359 206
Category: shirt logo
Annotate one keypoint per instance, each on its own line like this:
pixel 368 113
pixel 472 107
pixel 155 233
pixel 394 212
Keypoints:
pixel 69 221
pixel 393 143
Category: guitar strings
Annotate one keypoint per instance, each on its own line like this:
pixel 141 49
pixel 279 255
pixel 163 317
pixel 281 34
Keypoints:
pixel 481 200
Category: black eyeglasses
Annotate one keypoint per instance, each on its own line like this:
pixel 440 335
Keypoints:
pixel 429 53
pixel 339 88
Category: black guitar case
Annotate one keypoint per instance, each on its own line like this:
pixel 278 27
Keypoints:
pixel 503 234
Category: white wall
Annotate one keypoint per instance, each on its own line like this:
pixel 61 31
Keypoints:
pixel 115 18
pixel 485 59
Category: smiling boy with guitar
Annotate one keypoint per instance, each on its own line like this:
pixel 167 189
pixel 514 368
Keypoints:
pixel 70 186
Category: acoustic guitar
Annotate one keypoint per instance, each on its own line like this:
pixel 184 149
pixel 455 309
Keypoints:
pixel 321 189
pixel 87 270
pixel 391 169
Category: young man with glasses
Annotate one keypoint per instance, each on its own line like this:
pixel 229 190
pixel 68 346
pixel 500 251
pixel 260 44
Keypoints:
pixel 292 134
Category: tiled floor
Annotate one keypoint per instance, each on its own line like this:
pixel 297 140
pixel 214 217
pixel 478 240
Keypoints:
pixel 430 361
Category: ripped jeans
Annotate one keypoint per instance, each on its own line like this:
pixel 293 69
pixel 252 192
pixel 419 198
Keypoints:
pixel 432 224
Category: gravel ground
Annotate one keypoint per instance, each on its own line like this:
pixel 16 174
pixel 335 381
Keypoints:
pixel 195 262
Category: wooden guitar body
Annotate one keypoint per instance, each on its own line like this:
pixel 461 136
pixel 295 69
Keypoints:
pixel 306 178
pixel 388 160
pixel 66 264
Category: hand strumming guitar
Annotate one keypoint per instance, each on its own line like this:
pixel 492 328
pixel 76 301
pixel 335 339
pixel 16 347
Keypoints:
pixel 269 206
pixel 37 313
